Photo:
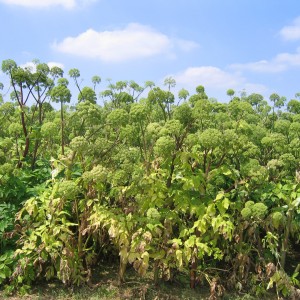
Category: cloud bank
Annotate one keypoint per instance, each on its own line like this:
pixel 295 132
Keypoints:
pixel 217 79
pixel 281 62
pixel 291 32
pixel 135 41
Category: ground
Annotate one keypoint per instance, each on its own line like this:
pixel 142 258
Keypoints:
pixel 107 288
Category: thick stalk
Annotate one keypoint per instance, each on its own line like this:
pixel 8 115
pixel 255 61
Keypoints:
pixel 169 180
pixel 27 142
pixel 17 150
pixel 285 240
pixel 62 128
pixel 34 158
pixel 36 145
pixel 156 273
pixel 193 270
pixel 122 268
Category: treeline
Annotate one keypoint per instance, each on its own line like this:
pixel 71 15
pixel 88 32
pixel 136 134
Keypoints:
pixel 165 184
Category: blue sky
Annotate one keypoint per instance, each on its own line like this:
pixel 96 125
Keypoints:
pixel 251 45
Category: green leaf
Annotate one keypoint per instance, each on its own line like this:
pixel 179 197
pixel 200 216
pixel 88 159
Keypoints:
pixel 158 254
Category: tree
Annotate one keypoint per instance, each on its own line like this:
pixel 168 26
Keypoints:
pixel 116 94
pixel 136 90
pixel 56 72
pixel 163 99
pixel 293 106
pixel 41 92
pixel 230 93
pixel 149 84
pixel 29 83
pixel 183 94
pixel 255 100
pixel 75 74
pixel 96 80
pixel 201 95
pixel 87 94
pixel 61 94
pixel 19 78
pixel 169 82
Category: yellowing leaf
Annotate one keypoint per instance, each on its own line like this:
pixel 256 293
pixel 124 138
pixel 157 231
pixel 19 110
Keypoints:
pixel 220 196
pixel 226 203
pixel 179 258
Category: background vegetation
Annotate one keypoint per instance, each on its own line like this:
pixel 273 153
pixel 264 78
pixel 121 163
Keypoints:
pixel 169 185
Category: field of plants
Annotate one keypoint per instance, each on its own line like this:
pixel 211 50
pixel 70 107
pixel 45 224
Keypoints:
pixel 169 185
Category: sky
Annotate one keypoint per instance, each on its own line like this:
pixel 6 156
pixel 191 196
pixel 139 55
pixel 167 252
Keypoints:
pixel 244 45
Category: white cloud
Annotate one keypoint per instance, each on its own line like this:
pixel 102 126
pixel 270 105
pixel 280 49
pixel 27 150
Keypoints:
pixel 289 59
pixel 207 76
pixel 68 4
pixel 133 42
pixel 32 67
pixel 216 79
pixel 52 64
pixel 291 32
pixel 28 65
pixel 279 63
pixel 262 66
pixel 255 88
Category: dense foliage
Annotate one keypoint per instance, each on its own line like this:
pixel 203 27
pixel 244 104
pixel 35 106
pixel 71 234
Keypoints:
pixel 169 184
